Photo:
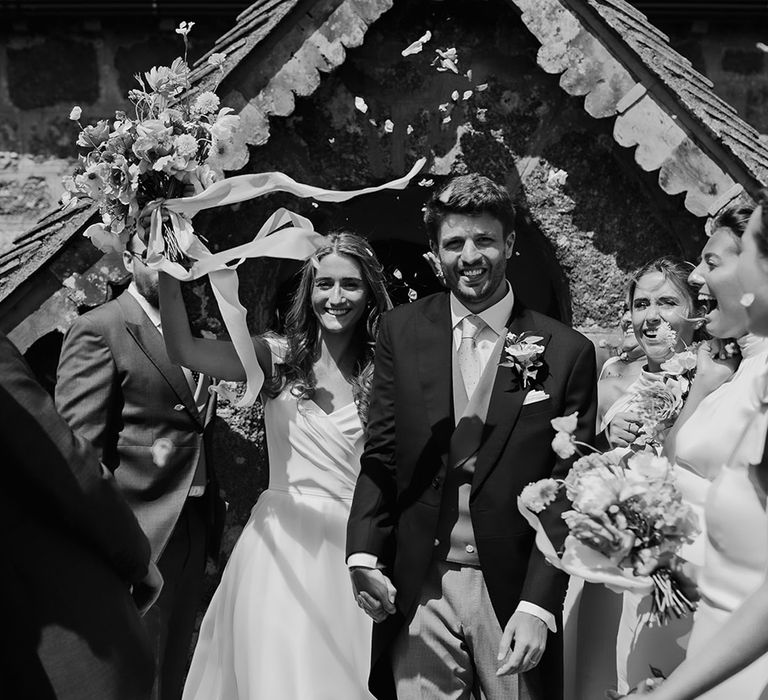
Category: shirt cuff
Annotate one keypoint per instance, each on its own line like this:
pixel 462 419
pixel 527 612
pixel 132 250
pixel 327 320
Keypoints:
pixel 363 559
pixel 544 615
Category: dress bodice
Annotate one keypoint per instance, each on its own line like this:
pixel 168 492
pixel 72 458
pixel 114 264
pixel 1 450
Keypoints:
pixel 708 438
pixel 311 451
pixel 736 554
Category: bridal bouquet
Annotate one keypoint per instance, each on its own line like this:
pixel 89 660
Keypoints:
pixel 167 145
pixel 627 523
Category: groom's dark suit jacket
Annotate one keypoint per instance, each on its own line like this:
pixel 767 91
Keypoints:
pixel 398 495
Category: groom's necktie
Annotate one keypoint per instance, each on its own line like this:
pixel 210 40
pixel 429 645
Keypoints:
pixel 468 356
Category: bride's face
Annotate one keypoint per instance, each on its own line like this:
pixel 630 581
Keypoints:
pixel 657 302
pixel 339 293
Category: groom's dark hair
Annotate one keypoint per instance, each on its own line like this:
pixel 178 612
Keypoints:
pixel 472 195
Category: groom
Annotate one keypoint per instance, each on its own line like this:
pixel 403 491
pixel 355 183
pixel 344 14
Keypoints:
pixel 459 423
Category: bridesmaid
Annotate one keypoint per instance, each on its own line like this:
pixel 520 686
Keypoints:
pixel 728 653
pixel 606 639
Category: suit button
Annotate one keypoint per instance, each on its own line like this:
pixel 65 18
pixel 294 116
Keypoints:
pixel 437 542
pixel 178 407
pixel 469 549
pixel 436 482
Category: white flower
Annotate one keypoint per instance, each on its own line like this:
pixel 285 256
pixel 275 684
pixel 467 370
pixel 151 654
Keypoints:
pixel 564 445
pixel 536 496
pixel 649 466
pixel 205 103
pixel 217 59
pixel 566 424
pixel 666 334
pixel 184 28
pixel 680 363
pixel 74 115
pixel 185 145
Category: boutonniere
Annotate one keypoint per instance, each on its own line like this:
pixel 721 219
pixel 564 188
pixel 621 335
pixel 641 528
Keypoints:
pixel 522 353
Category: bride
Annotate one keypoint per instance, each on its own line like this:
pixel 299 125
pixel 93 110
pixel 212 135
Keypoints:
pixel 282 623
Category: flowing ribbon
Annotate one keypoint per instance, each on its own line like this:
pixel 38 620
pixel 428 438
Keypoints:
pixel 284 235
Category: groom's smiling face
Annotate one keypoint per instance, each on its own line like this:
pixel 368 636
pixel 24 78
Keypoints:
pixel 473 254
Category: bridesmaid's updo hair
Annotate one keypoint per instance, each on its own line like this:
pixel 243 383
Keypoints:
pixel 734 219
pixel 302 328
pixel 761 235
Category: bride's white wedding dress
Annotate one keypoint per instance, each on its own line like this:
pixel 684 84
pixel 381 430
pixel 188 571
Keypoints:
pixel 283 623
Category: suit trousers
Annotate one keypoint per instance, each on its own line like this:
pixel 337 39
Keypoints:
pixel 448 650
pixel 171 620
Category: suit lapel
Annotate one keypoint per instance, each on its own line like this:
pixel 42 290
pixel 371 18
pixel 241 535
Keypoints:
pixel 150 340
pixel 433 348
pixel 507 398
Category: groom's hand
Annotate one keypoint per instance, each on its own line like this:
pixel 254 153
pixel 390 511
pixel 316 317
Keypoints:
pixel 374 592
pixel 523 643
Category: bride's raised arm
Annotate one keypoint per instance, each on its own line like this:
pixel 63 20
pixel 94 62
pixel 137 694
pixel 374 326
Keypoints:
pixel 216 358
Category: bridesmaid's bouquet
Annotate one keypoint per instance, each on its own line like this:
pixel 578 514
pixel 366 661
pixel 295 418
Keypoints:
pixel 626 526
pixel 169 144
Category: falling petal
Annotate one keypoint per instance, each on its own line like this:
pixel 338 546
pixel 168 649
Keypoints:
pixel 444 107
pixel 447 119
pixel 372 122
pixel 332 140
pixel 763 47
pixel 389 126
pixel 481 114
pixel 426 37
pixel 315 205
pixel 448 64
pixel 747 300
pixel 360 105
pixel 426 182
pixel 481 87
pixel 415 47
pixel 469 75
pixel 409 130
pixel 397 274
pixel 412 295
pixel 467 94
pixel 455 95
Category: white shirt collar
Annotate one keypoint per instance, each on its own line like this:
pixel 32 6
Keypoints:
pixel 495 316
pixel 146 307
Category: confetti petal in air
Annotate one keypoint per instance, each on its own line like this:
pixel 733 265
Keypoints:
pixel 332 140
pixel 469 75
pixel 447 119
pixel 467 94
pixel 397 274
pixel 455 95
pixel 360 105
pixel 426 182
pixel 389 126
pixel 763 47
pixel 481 87
pixel 417 45
pixel 372 122
pixel 409 130
pixel 444 107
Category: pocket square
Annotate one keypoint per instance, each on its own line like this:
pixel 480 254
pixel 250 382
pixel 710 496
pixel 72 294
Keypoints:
pixel 534 396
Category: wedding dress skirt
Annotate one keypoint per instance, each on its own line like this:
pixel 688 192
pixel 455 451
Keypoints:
pixel 283 623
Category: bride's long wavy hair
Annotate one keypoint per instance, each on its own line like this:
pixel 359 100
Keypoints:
pixel 302 328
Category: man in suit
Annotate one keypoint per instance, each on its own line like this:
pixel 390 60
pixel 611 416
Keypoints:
pixel 439 554
pixel 71 550
pixel 150 421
